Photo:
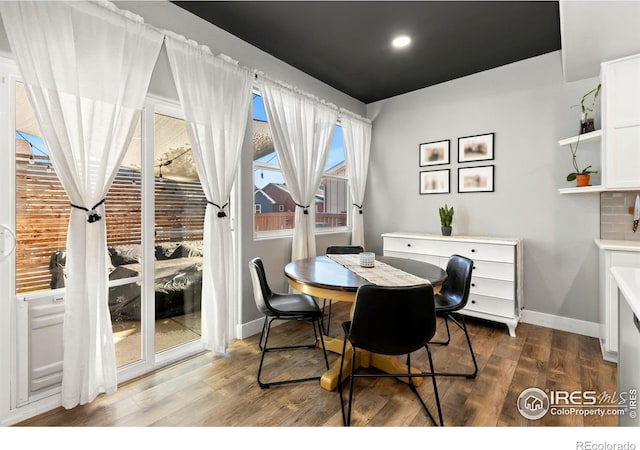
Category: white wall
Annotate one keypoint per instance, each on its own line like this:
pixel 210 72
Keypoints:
pixel 528 107
pixel 596 31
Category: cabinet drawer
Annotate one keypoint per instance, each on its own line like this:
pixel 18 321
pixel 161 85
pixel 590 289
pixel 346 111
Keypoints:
pixel 408 245
pixel 473 250
pixel 493 288
pixel 490 305
pixel 497 270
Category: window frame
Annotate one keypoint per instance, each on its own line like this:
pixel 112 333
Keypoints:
pixel 277 234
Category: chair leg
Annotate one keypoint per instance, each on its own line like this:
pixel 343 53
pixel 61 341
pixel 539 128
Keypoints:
pixel 324 350
pixel 351 382
pixel 413 388
pixel 344 350
pixel 473 356
pixel 324 303
pixel 435 386
pixel 264 326
pixel 446 324
pixel 264 348
pixel 463 326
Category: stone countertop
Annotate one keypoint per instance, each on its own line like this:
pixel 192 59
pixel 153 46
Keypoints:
pixel 628 279
pixel 629 246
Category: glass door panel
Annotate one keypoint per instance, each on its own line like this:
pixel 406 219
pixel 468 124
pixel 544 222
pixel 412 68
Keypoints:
pixel 42 218
pixel 179 218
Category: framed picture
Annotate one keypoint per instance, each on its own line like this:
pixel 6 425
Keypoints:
pixel 434 182
pixel 475 179
pixel 434 153
pixel 475 148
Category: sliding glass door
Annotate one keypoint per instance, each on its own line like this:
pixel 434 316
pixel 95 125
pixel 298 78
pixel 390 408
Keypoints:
pixel 179 220
pixel 154 218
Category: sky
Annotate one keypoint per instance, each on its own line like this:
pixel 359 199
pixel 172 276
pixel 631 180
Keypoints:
pixel 263 177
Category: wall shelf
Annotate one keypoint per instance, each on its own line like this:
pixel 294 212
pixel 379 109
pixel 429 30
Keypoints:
pixel 581 190
pixel 593 136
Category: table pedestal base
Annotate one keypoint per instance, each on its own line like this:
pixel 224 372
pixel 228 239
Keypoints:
pixel 365 359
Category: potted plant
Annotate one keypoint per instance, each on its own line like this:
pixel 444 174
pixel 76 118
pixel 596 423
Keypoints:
pixel 446 219
pixel 587 123
pixel 581 176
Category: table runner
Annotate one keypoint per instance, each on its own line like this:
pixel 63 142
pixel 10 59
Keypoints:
pixel 381 274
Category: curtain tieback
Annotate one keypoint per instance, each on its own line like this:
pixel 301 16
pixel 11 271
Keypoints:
pixel 359 207
pixel 221 212
pixel 305 209
pixel 92 215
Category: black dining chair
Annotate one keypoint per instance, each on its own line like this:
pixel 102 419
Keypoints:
pixel 453 296
pixel 391 321
pixel 338 250
pixel 276 306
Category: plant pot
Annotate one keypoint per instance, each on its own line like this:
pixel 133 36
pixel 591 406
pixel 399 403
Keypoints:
pixel 583 180
pixel 446 231
pixel 587 125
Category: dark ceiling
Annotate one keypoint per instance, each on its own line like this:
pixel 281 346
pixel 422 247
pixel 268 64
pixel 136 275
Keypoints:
pixel 347 44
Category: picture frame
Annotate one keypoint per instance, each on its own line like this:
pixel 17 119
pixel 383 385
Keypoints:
pixel 476 179
pixel 434 153
pixel 476 148
pixel 435 182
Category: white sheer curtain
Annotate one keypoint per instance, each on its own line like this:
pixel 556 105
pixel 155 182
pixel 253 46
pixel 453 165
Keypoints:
pixel 87 68
pixel 215 94
pixel 302 129
pixel 356 135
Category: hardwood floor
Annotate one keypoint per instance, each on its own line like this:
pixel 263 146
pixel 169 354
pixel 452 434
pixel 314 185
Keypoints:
pixel 208 390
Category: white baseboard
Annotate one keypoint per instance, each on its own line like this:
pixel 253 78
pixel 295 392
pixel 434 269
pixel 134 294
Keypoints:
pixel 591 329
pixel 248 329
pixel 608 356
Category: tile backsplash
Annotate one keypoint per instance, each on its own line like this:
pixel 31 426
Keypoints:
pixel 616 223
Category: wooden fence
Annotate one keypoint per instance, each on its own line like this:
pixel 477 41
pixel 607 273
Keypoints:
pixel 285 220
pixel 42 216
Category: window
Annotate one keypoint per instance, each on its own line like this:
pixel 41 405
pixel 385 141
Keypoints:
pixel 275 209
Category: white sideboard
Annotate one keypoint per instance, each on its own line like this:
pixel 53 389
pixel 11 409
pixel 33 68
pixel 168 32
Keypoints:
pixel 496 285
pixel 612 254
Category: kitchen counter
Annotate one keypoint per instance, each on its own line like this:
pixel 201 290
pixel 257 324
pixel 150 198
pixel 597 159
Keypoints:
pixel 627 246
pixel 628 279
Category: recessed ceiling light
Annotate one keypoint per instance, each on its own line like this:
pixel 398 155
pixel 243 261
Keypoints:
pixel 401 41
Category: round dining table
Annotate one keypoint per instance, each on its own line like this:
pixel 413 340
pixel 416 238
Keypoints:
pixel 324 278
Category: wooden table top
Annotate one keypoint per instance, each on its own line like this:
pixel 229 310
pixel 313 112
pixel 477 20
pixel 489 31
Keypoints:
pixel 322 272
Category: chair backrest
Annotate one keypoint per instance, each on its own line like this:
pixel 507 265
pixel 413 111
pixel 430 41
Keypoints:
pixel 344 249
pixel 393 320
pixel 261 290
pixel 458 282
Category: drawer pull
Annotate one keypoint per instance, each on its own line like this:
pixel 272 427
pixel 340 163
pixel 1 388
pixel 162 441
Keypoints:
pixel 473 301
pixel 473 285
pixel 473 250
pixel 408 245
